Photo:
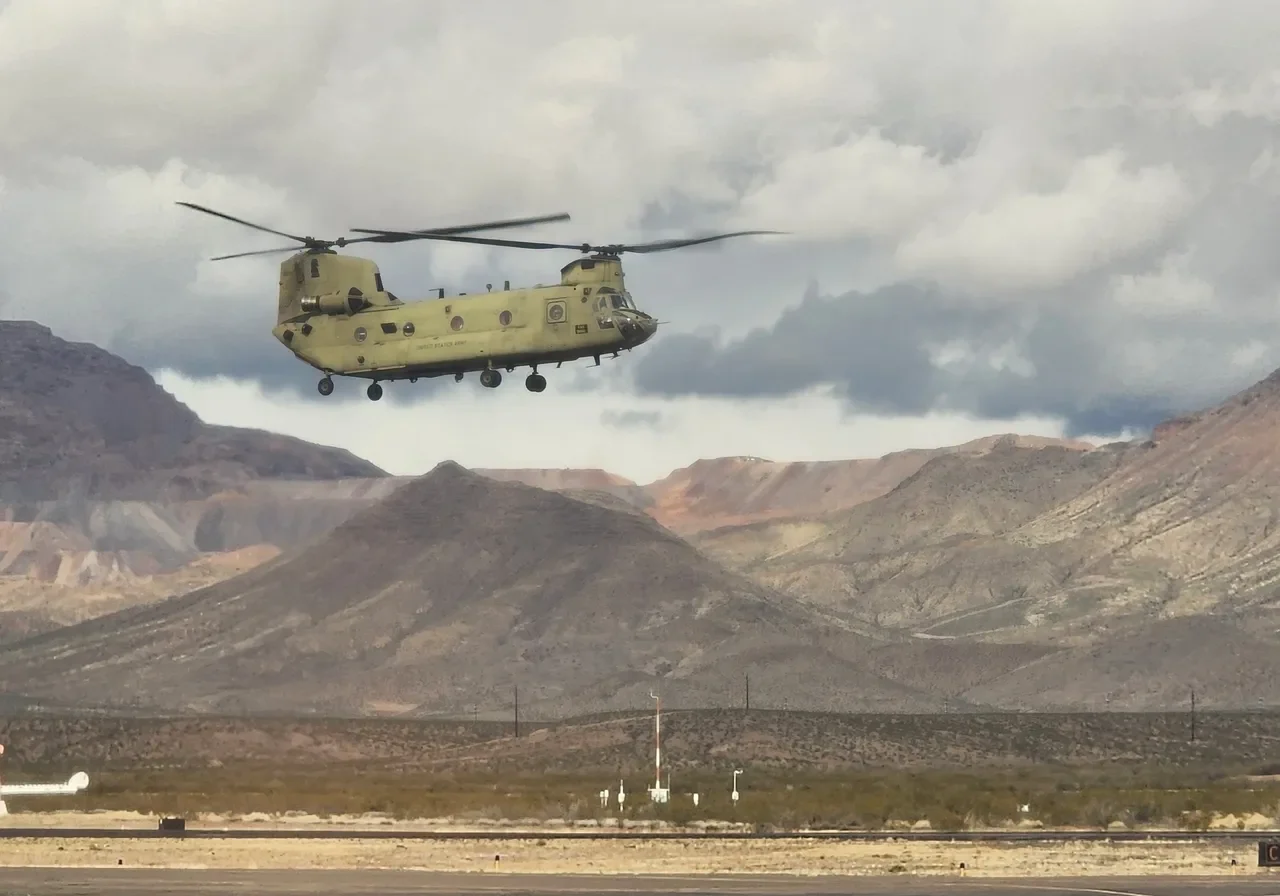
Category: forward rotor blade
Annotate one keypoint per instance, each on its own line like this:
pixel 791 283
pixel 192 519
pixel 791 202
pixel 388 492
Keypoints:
pixel 258 252
pixel 400 235
pixel 209 211
pixel 396 236
pixel 658 246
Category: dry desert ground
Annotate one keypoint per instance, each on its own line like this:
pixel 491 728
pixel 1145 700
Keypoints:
pixel 782 856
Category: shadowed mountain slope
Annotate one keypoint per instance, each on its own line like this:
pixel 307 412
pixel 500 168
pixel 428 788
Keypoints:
pixel 113 492
pixel 77 420
pixel 1150 663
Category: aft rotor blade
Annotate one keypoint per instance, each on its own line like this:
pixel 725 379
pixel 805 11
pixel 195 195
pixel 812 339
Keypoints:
pixel 664 245
pixel 209 211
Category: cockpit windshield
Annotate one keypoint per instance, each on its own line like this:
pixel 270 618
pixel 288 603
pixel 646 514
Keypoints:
pixel 617 300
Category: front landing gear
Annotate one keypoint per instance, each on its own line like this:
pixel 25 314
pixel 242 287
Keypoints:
pixel 535 382
pixel 375 391
pixel 490 378
pixel 325 386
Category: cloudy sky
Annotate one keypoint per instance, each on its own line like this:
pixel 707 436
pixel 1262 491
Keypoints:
pixel 1003 216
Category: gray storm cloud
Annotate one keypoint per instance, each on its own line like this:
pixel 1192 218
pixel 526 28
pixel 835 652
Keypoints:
pixel 1011 208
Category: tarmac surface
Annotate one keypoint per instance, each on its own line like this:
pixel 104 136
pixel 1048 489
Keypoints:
pixel 133 882
pixel 299 833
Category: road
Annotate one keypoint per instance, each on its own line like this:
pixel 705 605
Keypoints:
pixel 132 882
pixel 302 833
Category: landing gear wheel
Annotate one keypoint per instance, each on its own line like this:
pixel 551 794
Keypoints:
pixel 535 382
pixel 375 391
pixel 490 378
pixel 325 386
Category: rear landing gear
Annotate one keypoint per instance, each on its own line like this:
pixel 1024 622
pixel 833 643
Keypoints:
pixel 375 391
pixel 490 378
pixel 325 386
pixel 535 382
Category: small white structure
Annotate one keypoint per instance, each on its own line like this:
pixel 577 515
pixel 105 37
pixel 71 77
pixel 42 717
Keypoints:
pixel 622 794
pixel 695 799
pixel 734 795
pixel 657 792
pixel 604 797
pixel 73 785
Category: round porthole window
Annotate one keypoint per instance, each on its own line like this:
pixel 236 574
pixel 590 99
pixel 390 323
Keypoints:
pixel 456 323
pixel 360 334
pixel 504 318
pixel 407 329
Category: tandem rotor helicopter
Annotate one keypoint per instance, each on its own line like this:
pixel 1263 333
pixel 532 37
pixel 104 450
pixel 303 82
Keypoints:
pixel 336 314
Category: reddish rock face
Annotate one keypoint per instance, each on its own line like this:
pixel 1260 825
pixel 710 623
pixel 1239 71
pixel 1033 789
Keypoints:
pixel 732 491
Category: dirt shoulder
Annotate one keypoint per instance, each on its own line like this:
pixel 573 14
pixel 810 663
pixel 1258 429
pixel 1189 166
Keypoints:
pixel 649 856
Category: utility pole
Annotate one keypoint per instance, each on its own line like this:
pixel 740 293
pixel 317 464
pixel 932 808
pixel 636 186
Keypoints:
pixel 747 676
pixel 517 710
pixel 1193 714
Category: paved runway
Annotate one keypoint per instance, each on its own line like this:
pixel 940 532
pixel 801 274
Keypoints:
pixel 133 882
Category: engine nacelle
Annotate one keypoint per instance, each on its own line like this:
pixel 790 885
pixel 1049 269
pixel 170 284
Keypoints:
pixel 335 302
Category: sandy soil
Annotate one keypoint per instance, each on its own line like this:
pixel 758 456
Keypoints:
pixel 673 857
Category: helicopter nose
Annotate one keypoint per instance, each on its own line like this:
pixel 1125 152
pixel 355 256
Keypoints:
pixel 636 330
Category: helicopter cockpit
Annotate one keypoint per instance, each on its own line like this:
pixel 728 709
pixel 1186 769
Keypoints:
pixel 633 324
pixel 611 298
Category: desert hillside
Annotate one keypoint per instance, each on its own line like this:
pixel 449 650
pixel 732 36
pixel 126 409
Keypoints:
pixel 444 597
pixel 113 492
pixel 1189 523
pixel 924 550
pixel 1143 570
pixel 728 491
pixel 1010 572
pixel 76 420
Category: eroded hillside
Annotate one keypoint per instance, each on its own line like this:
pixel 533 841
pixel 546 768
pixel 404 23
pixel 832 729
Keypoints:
pixel 446 595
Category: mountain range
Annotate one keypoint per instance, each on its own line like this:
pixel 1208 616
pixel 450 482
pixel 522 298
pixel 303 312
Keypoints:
pixel 148 559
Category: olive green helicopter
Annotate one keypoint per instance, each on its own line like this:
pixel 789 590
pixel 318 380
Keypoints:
pixel 336 315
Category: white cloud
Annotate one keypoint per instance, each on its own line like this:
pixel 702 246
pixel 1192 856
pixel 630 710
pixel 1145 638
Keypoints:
pixel 1171 289
pixel 509 427
pixel 1036 240
pixel 865 187
pixel 1120 152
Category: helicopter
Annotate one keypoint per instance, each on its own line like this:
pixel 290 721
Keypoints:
pixel 335 313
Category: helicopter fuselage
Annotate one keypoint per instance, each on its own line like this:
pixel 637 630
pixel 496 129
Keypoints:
pixel 335 314
pixel 364 331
